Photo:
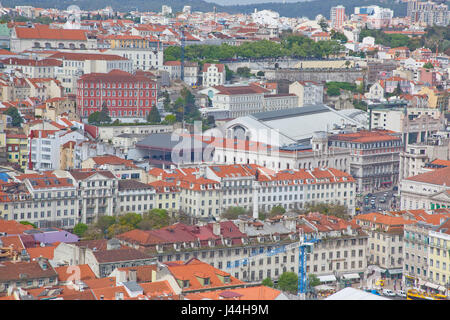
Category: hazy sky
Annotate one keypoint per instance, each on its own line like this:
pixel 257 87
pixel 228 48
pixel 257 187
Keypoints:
pixel 233 2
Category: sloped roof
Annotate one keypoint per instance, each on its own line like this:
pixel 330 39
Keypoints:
pixel 45 32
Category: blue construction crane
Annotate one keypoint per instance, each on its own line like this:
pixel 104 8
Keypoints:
pixel 304 246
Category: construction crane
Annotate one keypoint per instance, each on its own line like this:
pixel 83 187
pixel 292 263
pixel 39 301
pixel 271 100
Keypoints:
pixel 182 52
pixel 304 246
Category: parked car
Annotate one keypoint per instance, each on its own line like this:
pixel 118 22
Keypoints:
pixel 388 293
pixel 372 201
pixel 401 293
pixel 385 194
pixel 382 200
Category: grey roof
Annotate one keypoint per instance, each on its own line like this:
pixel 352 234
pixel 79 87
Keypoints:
pixel 130 184
pixel 267 229
pixel 166 141
pixel 133 286
pixel 286 113
pixel 108 256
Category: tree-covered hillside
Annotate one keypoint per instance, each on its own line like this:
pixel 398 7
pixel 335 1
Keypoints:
pixel 308 9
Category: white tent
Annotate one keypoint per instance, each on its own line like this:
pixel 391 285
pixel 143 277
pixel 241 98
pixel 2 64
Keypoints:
pixel 350 293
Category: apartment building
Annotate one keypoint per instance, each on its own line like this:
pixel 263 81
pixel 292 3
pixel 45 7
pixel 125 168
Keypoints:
pixel 45 146
pixel 42 199
pixel 213 74
pixel 96 193
pixel 415 125
pixel 439 272
pixel 191 73
pixel 74 65
pixel 308 92
pixel 242 247
pixel 420 249
pixel 168 195
pixel 210 190
pixel 417 156
pixel 385 246
pixel 17 149
pixel 32 68
pixel 27 275
pixel 429 190
pixel 145 59
pixel 173 68
pixel 428 13
pixel 274 102
pixel 237 101
pixel 135 196
pixel 337 16
pixel 375 157
pixel 125 95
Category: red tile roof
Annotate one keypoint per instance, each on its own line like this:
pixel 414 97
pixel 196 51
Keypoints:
pixel 437 177
pixel 46 252
pixel 187 271
pixel 11 227
pixel 78 272
pixel 44 32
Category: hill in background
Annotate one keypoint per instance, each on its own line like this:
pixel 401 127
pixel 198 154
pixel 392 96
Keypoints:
pixel 298 9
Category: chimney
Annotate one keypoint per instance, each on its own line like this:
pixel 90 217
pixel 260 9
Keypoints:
pixel 132 275
pixel 216 228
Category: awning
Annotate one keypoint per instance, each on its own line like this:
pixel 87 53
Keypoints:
pixel 442 289
pixel 323 287
pixel 395 271
pixel 328 278
pixel 432 285
pixel 351 276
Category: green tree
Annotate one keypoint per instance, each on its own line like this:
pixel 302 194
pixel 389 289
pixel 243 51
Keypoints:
pixel 334 35
pixel 398 90
pixel 428 65
pixel 154 219
pixel 313 280
pixel 115 229
pixel 130 219
pixel 170 119
pixel 233 212
pixel 93 233
pixel 267 282
pixel 260 73
pixel 27 223
pixel 94 118
pixel 17 119
pixel 154 116
pixel 80 229
pixel 336 210
pixel 166 101
pixel 228 73
pixel 104 115
pixel 277 210
pixel 104 222
pixel 244 72
pixel 288 282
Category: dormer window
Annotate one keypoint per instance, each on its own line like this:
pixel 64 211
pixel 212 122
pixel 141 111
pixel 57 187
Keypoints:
pixel 185 283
